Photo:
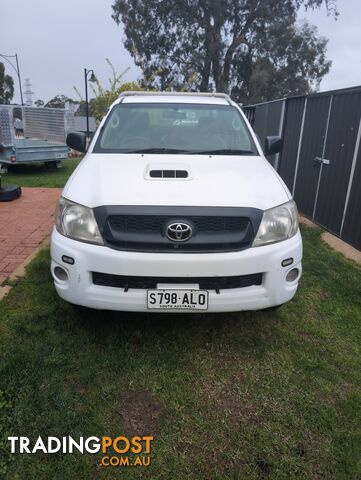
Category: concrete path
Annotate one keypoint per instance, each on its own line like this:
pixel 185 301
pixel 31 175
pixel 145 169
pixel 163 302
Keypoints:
pixel 336 243
pixel 24 224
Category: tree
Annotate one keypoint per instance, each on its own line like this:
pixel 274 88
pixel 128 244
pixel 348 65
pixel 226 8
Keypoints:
pixel 296 67
pixel 39 103
pixel 105 96
pixel 59 101
pixel 252 49
pixel 81 110
pixel 6 86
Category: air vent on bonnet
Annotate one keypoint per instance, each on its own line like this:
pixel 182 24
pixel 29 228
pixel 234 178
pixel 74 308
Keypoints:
pixel 168 173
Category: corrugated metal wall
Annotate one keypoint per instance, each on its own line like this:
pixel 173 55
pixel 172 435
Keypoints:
pixel 267 119
pixel 294 120
pixel 351 231
pixel 321 157
pixel 49 124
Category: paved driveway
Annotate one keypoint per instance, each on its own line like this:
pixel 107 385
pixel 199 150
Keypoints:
pixel 24 223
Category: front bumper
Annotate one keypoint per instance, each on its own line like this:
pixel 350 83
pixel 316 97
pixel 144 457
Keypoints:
pixel 79 288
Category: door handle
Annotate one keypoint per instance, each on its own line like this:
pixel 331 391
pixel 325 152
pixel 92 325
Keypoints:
pixel 319 161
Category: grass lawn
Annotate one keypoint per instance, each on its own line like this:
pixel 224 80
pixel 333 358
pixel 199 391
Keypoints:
pixel 253 395
pixel 38 175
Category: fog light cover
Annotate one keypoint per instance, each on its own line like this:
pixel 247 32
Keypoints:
pixel 292 275
pixel 61 274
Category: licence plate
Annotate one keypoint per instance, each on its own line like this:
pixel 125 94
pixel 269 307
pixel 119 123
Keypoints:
pixel 181 299
pixel 61 155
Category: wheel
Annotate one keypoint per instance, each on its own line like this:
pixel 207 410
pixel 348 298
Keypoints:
pixel 50 165
pixel 9 192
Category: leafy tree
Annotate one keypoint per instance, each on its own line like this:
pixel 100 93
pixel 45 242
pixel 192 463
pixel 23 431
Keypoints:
pixel 253 49
pixel 105 96
pixel 296 67
pixel 81 111
pixel 59 101
pixel 6 86
pixel 39 103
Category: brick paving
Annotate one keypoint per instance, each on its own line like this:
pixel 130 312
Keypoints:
pixel 24 224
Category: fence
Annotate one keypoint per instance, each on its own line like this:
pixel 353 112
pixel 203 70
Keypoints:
pixel 321 157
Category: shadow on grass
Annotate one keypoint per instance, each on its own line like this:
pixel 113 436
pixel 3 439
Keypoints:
pixel 248 326
pixel 35 168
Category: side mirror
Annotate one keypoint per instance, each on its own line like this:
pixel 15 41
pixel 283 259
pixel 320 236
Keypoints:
pixel 76 141
pixel 272 145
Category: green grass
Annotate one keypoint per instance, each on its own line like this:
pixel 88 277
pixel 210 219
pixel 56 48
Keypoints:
pixel 254 395
pixel 39 175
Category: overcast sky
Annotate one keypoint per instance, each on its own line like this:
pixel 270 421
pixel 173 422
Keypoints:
pixel 56 40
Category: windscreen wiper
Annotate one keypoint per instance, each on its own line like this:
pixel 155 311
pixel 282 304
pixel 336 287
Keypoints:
pixel 222 151
pixel 154 150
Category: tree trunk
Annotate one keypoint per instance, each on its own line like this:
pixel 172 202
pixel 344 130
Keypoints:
pixel 205 74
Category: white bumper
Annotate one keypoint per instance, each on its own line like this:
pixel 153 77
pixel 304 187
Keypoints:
pixel 79 288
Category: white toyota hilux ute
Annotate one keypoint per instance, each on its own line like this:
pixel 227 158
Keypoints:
pixel 174 207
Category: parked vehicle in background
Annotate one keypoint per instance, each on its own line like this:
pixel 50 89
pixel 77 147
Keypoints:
pixel 175 207
pixel 39 136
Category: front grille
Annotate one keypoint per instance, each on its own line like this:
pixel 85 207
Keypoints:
pixel 145 228
pixel 152 223
pixel 205 283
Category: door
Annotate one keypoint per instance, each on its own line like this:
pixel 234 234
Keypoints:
pixel 312 148
pixel 337 162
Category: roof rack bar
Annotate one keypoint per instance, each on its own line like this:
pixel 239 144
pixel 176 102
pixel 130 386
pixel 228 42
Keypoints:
pixel 190 94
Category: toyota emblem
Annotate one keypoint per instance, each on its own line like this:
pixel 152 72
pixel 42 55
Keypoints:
pixel 179 232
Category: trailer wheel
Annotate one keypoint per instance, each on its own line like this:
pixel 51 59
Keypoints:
pixel 9 192
pixel 54 164
pixel 50 165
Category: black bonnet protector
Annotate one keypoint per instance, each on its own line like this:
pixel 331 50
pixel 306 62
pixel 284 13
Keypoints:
pixel 148 228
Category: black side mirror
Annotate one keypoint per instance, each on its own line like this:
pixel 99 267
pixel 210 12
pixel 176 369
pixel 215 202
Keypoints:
pixel 76 141
pixel 272 145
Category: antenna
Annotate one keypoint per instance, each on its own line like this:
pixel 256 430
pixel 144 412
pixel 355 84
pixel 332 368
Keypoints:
pixel 28 93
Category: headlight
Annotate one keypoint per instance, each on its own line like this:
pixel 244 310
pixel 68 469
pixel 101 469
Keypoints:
pixel 77 222
pixel 277 224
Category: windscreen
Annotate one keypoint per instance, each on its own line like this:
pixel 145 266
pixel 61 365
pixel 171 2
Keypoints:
pixel 175 128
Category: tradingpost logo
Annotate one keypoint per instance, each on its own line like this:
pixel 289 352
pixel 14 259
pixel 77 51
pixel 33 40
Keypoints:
pixel 120 451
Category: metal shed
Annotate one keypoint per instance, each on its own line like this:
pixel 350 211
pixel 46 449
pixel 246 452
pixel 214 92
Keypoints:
pixel 321 158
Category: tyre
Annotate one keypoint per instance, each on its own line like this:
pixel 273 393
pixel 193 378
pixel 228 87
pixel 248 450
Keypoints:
pixel 9 192
pixel 3 168
pixel 50 165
